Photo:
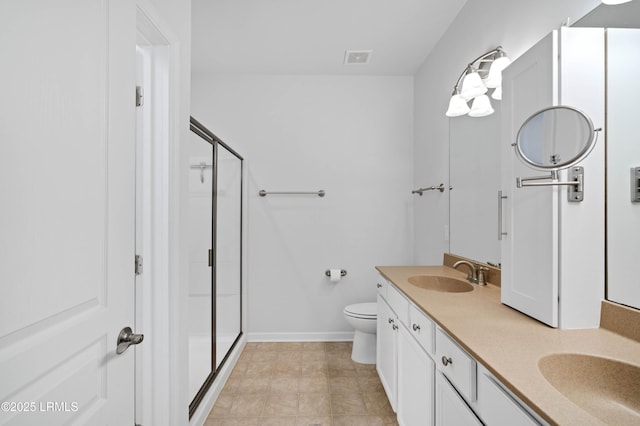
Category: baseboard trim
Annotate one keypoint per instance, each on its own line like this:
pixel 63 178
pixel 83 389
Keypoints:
pixel 329 336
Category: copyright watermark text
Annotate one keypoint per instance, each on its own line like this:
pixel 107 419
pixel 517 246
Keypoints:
pixel 39 406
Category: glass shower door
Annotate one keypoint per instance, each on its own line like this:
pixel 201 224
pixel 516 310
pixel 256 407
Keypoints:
pixel 200 276
pixel 215 258
pixel 228 251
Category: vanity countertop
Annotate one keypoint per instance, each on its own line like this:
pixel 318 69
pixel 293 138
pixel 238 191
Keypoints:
pixel 509 343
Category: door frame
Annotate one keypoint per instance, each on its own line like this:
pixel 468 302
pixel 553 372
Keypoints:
pixel 159 310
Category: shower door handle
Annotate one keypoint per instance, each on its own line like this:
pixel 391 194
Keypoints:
pixel 127 338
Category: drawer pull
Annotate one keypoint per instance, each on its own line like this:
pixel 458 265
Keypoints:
pixel 416 327
pixel 446 361
pixel 379 285
pixel 390 320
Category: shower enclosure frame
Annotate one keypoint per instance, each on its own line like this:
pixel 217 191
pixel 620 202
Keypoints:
pixel 200 130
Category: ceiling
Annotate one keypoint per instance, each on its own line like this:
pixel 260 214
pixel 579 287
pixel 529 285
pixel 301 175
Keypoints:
pixel 311 36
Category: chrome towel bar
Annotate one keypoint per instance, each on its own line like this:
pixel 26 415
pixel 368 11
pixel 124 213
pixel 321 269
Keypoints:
pixel 264 193
pixel 431 188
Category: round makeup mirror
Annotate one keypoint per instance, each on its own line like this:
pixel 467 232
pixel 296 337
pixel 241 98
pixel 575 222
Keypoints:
pixel 555 138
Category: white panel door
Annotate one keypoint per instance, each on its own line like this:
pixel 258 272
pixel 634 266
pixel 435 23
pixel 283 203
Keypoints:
pixel 67 149
pixel 530 248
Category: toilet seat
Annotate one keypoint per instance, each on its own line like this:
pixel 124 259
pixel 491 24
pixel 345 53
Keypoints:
pixel 362 310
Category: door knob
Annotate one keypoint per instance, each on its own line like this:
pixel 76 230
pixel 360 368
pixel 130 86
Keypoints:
pixel 127 338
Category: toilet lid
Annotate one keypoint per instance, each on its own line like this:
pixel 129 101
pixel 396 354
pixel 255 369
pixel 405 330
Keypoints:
pixel 362 310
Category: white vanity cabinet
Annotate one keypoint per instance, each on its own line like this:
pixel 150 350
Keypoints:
pixel 405 369
pixel 546 239
pixel 430 379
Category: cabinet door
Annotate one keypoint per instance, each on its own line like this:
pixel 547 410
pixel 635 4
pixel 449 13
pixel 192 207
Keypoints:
pixel 450 407
pixel 530 215
pixel 386 360
pixel 415 382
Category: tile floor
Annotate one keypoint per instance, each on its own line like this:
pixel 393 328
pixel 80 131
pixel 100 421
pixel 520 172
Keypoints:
pixel 301 384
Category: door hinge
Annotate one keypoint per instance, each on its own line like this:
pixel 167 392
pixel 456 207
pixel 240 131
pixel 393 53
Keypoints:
pixel 138 264
pixel 210 258
pixel 139 96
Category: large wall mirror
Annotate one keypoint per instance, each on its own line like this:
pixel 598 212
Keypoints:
pixel 474 178
pixel 623 147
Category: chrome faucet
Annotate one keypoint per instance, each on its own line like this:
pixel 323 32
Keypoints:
pixel 472 277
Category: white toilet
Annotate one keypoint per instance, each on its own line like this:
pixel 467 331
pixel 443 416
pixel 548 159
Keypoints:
pixel 363 317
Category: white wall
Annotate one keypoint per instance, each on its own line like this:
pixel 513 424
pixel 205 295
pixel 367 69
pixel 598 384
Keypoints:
pixel 480 27
pixel 350 136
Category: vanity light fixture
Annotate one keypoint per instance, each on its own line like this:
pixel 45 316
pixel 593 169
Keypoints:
pixel 611 2
pixel 483 73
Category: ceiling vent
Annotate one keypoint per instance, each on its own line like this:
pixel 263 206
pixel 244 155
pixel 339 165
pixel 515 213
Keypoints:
pixel 357 56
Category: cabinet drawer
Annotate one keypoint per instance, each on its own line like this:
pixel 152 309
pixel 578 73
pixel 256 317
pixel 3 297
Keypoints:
pixel 398 303
pixel 381 286
pixel 497 407
pixel 456 364
pixel 422 328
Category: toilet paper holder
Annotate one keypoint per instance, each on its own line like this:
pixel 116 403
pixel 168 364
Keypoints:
pixel 342 272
